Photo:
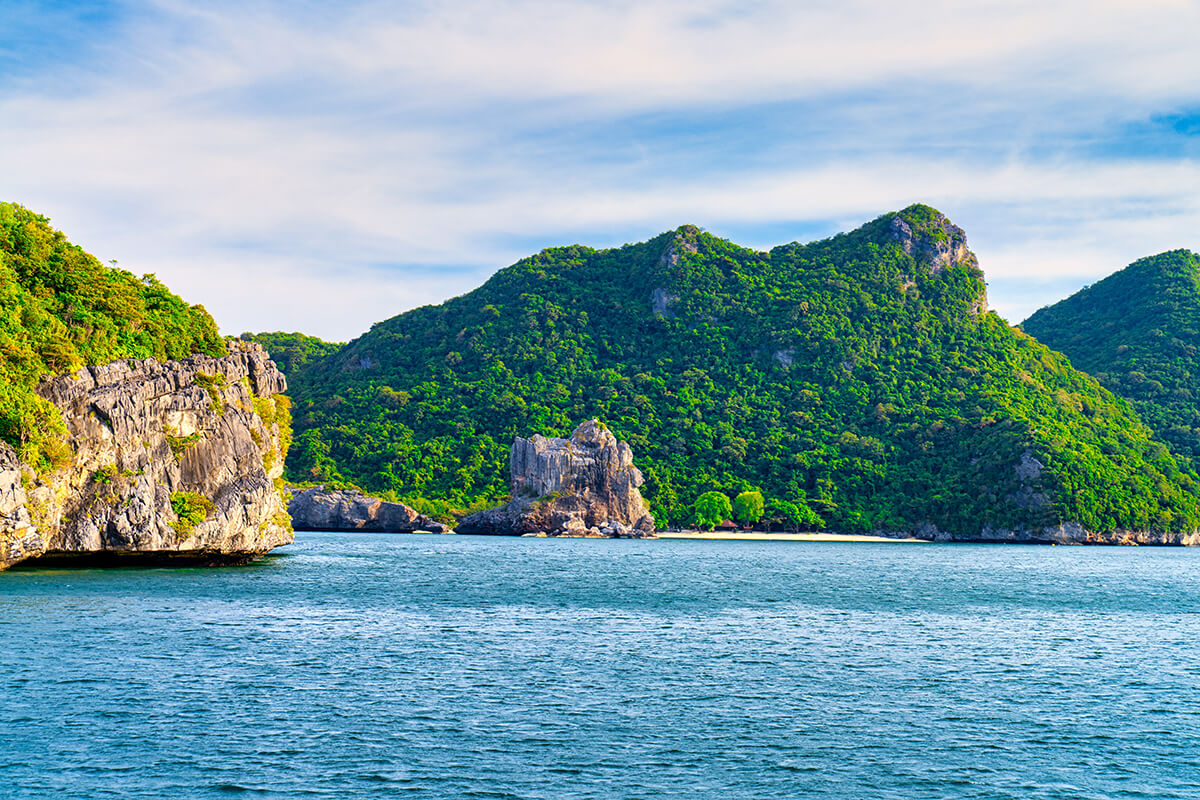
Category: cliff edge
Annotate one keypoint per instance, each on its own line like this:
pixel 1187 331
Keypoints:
pixel 169 461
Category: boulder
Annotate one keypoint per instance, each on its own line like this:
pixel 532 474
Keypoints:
pixel 321 509
pixel 583 486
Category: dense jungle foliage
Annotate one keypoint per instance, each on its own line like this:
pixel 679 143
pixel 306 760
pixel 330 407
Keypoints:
pixel 293 352
pixel 60 309
pixel 1138 332
pixel 858 380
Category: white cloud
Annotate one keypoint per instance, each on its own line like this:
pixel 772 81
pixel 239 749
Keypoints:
pixel 323 170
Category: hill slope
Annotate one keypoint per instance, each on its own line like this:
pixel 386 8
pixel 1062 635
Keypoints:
pixel 1138 332
pixel 60 309
pixel 859 377
pixel 293 352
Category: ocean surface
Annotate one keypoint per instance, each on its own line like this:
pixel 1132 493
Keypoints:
pixel 369 666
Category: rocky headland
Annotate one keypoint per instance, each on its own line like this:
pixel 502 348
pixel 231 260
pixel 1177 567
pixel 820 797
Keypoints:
pixel 171 461
pixel 583 486
pixel 321 509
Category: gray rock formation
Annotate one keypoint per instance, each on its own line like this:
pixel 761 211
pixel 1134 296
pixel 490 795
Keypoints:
pixel 19 540
pixel 1065 533
pixel 583 486
pixel 939 245
pixel 319 509
pixel 943 245
pixel 661 302
pixel 169 461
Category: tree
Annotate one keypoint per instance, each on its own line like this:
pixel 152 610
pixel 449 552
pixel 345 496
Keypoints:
pixel 783 513
pixel 748 507
pixel 807 518
pixel 711 509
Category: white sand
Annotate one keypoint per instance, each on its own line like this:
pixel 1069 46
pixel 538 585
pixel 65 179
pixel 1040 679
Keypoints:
pixel 758 536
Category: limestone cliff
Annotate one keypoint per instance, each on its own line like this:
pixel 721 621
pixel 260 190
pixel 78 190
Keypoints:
pixel 320 509
pixel 169 461
pixel 583 486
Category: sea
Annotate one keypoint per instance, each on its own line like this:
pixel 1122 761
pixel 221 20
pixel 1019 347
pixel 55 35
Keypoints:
pixel 424 666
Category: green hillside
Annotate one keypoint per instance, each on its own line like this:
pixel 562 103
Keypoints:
pixel 293 352
pixel 60 309
pixel 859 377
pixel 1138 332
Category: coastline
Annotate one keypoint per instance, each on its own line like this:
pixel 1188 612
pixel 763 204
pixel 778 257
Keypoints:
pixel 760 536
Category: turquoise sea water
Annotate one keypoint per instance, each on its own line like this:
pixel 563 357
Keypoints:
pixel 349 666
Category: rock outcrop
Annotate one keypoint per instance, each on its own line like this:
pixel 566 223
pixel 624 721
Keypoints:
pixel 939 245
pixel 583 486
pixel 319 509
pixel 1065 533
pixel 19 540
pixel 169 461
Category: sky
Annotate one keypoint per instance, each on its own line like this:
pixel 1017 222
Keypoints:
pixel 318 167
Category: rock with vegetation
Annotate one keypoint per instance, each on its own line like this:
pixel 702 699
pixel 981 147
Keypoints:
pixel 583 486
pixel 320 509
pixel 1138 332
pixel 169 461
pixel 61 309
pixel 19 539
pixel 157 439
pixel 858 382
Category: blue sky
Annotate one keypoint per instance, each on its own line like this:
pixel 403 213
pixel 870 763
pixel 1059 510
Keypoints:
pixel 319 167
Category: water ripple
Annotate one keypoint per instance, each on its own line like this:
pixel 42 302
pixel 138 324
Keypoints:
pixel 457 667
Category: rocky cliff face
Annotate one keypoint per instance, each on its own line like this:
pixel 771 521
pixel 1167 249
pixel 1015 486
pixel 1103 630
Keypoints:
pixel 583 486
pixel 18 538
pixel 939 244
pixel 319 509
pixel 175 460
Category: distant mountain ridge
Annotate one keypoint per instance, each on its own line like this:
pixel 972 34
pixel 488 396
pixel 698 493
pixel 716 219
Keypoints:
pixel 859 378
pixel 1138 332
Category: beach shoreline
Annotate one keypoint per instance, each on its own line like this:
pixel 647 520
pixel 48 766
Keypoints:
pixel 764 536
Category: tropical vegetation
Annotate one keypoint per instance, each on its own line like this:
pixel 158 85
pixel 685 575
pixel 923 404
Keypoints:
pixel 1138 332
pixel 857 382
pixel 60 309
pixel 293 352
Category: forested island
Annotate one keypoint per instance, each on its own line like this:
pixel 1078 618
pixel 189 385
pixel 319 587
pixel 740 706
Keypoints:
pixel 857 383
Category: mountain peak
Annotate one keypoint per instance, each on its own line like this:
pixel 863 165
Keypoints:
pixel 929 236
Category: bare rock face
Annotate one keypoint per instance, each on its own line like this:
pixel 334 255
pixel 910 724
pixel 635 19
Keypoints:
pixel 583 486
pixel 319 509
pixel 170 461
pixel 942 245
pixel 19 540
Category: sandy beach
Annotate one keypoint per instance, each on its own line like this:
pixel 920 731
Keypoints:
pixel 761 536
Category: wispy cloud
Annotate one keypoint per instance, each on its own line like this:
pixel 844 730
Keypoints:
pixel 321 166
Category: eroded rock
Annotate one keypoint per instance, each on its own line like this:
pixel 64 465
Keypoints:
pixel 203 436
pixel 321 509
pixel 583 486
